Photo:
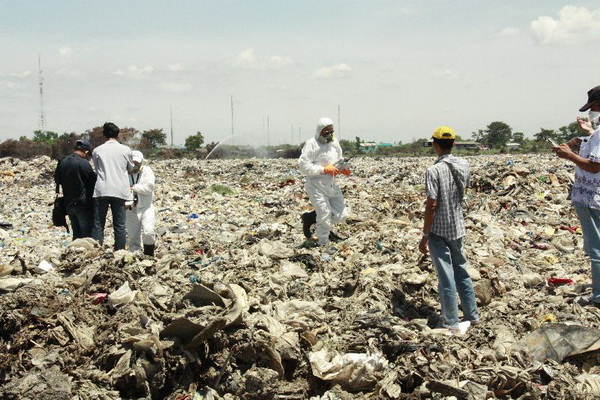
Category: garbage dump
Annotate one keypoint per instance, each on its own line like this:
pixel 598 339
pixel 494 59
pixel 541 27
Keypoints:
pixel 235 306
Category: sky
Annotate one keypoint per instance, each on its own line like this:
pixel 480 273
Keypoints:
pixel 382 70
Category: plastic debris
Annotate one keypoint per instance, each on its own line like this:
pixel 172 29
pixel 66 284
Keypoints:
pixel 233 299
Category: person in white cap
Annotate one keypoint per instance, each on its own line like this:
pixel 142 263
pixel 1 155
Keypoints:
pixel 141 218
pixel 317 163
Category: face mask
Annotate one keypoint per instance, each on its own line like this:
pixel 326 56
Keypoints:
pixel 326 139
pixel 593 116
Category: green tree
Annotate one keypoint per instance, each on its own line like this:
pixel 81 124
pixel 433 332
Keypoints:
pixel 478 136
pixel 497 134
pixel 194 142
pixel 357 143
pixel 518 137
pixel 347 147
pixel 568 132
pixel 153 138
pixel 45 137
pixel 545 134
pixel 96 137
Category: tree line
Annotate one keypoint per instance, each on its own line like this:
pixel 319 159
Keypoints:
pixel 494 137
pixel 57 146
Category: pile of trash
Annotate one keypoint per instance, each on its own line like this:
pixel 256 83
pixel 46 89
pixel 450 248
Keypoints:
pixel 235 306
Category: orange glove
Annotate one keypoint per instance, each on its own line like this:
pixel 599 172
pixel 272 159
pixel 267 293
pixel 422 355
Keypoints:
pixel 331 170
pixel 345 172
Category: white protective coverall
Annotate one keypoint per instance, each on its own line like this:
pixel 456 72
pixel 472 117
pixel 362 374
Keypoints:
pixel 141 219
pixel 323 191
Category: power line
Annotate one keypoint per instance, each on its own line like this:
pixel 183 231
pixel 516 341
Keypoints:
pixel 171 126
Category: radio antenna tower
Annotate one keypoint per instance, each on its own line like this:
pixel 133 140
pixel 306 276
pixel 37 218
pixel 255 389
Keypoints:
pixel 232 135
pixel 42 122
pixel 339 127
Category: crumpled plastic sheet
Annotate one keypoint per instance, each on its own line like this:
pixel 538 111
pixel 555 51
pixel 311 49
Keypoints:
pixel 276 302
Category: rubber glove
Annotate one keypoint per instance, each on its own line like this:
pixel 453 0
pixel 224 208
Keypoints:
pixel 345 172
pixel 331 170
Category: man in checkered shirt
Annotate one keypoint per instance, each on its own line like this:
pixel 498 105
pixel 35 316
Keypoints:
pixel 444 230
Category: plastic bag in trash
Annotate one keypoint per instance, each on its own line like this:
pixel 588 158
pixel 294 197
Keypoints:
pixel 123 295
pixel 353 371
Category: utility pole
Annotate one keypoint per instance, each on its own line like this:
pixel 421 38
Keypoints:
pixel 299 136
pixel 339 125
pixel 42 121
pixel 268 131
pixel 232 136
pixel 171 126
pixel 292 142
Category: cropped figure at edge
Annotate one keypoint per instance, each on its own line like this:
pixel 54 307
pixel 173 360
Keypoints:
pixel 585 195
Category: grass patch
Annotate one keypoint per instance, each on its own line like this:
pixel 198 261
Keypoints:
pixel 221 189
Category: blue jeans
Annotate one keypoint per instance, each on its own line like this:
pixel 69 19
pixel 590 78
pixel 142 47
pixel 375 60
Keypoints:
pixel 117 208
pixel 451 268
pixel 82 221
pixel 590 225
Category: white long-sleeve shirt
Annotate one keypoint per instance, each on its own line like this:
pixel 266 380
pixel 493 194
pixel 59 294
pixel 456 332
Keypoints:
pixel 112 161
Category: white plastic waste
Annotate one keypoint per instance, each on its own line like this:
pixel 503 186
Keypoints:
pixel 123 295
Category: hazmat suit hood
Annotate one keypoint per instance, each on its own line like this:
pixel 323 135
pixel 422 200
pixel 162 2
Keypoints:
pixel 323 122
pixel 137 156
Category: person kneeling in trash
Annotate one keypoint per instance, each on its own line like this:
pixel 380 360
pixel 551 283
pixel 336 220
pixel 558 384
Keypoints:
pixel 321 160
pixel 141 218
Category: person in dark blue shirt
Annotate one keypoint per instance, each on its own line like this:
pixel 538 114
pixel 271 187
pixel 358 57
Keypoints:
pixel 77 178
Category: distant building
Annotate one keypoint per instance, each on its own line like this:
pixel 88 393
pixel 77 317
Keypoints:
pixel 368 147
pixel 513 145
pixel 461 145
pixel 371 147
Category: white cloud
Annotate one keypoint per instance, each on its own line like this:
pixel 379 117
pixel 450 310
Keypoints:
pixel 279 62
pixel 509 32
pixel 334 71
pixel 23 74
pixel 574 24
pixel 134 72
pixel 174 87
pixel 71 74
pixel 65 51
pixel 282 88
pixel 175 67
pixel 445 73
pixel 246 59
pixel 7 85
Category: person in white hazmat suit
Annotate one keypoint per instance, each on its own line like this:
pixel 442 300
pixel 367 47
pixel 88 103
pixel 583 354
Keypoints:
pixel 141 218
pixel 317 163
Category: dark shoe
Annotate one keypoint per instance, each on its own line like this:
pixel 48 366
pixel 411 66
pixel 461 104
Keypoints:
pixel 149 250
pixel 335 238
pixel 308 220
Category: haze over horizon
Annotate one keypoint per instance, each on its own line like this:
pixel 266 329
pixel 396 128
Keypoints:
pixel 396 69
